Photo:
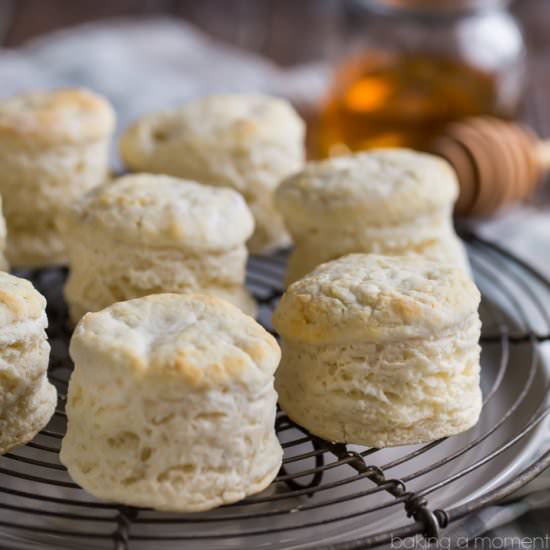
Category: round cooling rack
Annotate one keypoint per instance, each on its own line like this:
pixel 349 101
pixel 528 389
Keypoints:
pixel 327 496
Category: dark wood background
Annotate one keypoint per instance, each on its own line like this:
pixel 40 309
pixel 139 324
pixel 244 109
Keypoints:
pixel 288 31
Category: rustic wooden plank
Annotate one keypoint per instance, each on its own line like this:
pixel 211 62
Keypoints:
pixel 535 18
pixel 34 17
pixel 288 31
pixel 220 21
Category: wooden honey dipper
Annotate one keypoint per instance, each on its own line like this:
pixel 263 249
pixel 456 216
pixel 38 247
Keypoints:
pixel 497 162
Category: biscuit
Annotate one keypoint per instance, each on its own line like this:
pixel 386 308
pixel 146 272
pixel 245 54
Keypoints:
pixel 171 404
pixel 147 234
pixel 392 201
pixel 54 146
pixel 27 399
pixel 380 350
pixel 248 143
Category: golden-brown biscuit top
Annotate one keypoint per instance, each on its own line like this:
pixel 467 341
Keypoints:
pixel 19 300
pixel 163 211
pixel 367 297
pixel 198 340
pixel 217 122
pixel 68 115
pixel 382 187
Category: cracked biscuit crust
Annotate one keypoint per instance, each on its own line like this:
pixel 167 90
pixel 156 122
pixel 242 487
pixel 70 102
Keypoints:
pixel 67 115
pixel 202 339
pixel 153 210
pixel 379 188
pixel 377 298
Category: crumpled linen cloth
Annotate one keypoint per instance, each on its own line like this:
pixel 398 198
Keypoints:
pixel 144 65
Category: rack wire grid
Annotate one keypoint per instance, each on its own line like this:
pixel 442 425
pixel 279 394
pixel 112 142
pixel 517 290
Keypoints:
pixel 327 496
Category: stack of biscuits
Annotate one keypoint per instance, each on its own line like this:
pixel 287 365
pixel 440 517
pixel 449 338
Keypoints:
pixel 172 401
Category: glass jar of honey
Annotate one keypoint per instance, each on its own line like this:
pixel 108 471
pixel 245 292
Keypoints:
pixel 413 66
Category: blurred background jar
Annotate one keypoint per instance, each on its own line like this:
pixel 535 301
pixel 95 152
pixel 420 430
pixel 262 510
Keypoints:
pixel 410 67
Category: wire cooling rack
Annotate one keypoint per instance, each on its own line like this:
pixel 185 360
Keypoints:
pixel 327 496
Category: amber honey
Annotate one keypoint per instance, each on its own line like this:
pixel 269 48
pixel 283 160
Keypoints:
pixel 399 100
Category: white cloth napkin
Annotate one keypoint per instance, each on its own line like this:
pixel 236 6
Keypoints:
pixel 146 65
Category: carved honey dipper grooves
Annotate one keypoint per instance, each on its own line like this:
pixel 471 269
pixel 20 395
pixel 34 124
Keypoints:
pixel 497 162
